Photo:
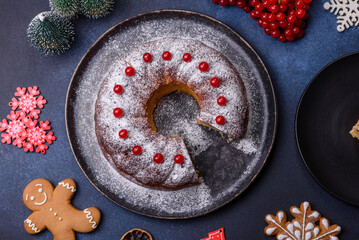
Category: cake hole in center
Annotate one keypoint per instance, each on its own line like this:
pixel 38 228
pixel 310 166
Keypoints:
pixel 176 114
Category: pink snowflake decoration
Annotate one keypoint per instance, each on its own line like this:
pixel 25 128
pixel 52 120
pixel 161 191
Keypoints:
pixel 28 102
pixel 15 129
pixel 21 128
pixel 37 136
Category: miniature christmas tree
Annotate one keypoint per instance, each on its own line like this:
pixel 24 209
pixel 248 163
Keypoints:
pixel 51 33
pixel 96 8
pixel 66 8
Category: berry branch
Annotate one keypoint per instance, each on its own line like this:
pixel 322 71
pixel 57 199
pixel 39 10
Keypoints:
pixel 284 20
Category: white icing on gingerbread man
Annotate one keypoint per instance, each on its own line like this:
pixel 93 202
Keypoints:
pixel 52 209
pixel 67 185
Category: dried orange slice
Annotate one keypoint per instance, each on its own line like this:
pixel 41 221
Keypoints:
pixel 137 234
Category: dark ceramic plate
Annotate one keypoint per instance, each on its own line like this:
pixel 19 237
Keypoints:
pixel 328 109
pixel 226 168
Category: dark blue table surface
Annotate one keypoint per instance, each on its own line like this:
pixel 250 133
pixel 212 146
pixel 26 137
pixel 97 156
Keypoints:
pixel 283 182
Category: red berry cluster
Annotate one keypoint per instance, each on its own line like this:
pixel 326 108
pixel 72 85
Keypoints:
pixel 282 19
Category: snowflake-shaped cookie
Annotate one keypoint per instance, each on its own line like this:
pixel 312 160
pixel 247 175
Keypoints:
pixel 302 227
pixel 347 11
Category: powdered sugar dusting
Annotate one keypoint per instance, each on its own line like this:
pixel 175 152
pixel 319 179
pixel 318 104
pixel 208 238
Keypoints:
pixel 246 145
pixel 192 201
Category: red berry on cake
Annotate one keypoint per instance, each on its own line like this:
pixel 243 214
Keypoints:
pixel 118 89
pixel 215 82
pixel 147 57
pixel 130 71
pixel 123 133
pixel 221 101
pixel 167 56
pixel 220 120
pixel 137 150
pixel 203 67
pixel 187 57
pixel 158 158
pixel 117 112
pixel 179 159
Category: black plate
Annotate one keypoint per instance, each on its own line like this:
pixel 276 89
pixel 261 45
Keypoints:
pixel 226 169
pixel 328 109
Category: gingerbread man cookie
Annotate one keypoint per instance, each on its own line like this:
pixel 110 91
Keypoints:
pixel 52 209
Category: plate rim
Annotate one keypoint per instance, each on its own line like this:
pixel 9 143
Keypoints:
pixel 296 126
pixel 87 55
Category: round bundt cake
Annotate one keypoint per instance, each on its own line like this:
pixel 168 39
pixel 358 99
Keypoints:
pixel 128 96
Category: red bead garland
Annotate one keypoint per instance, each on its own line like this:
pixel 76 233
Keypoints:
pixel 167 56
pixel 158 158
pixel 179 159
pixel 130 71
pixel 117 112
pixel 222 101
pixel 147 57
pixel 215 82
pixel 203 67
pixel 137 150
pixel 220 120
pixel 123 133
pixel 187 57
pixel 118 89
